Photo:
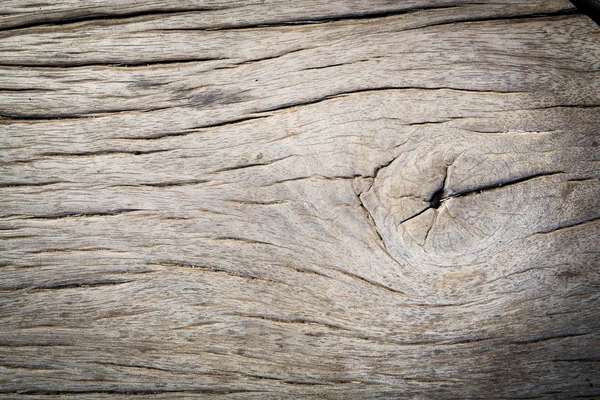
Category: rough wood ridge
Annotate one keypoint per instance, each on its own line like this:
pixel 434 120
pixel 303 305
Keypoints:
pixel 313 199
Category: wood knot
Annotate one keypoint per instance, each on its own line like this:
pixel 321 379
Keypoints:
pixel 455 207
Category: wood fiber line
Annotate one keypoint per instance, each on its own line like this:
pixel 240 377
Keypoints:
pixel 315 199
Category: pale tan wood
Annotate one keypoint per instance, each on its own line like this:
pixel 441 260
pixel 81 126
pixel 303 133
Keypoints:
pixel 318 200
pixel 216 14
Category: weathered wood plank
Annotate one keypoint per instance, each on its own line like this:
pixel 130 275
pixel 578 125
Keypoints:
pixel 219 14
pixel 320 200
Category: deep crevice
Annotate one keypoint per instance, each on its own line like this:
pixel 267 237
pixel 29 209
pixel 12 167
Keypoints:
pixel 384 14
pixel 497 185
pixel 584 5
pixel 174 183
pixel 120 64
pixel 443 194
pixel 86 214
pixel 384 88
pixel 80 285
pixel 436 200
pixel 131 392
pixel 29 184
pixel 329 18
pixel 103 153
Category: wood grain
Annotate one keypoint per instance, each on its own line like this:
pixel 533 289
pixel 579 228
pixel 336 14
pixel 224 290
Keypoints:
pixel 326 200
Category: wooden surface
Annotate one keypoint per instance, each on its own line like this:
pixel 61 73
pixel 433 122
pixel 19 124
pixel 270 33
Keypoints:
pixel 318 199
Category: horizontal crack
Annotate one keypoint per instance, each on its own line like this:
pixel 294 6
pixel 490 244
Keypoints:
pixel 370 282
pixel 442 194
pixel 29 184
pixel 103 153
pixel 293 321
pixel 74 285
pixel 328 18
pixel 496 185
pixel 383 88
pixel 560 13
pixel 548 338
pixel 569 225
pixel 193 129
pixel 85 214
pixel 126 392
pixel 250 165
pixel 172 183
pixel 208 268
pixel 118 64
pixel 244 240
pixel 80 115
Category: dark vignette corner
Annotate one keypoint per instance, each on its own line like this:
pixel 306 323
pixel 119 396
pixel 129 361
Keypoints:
pixel 589 7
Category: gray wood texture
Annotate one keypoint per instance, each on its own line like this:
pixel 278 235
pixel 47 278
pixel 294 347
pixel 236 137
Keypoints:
pixel 313 199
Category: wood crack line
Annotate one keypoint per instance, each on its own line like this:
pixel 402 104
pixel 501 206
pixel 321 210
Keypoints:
pixel 106 17
pixel 68 285
pixel 294 321
pixel 385 14
pixel 381 241
pixel 443 193
pixel 569 225
pixel 118 64
pixel 126 391
pixel 137 15
pixel 209 268
pixel 77 285
pixel 255 113
pixel 85 214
